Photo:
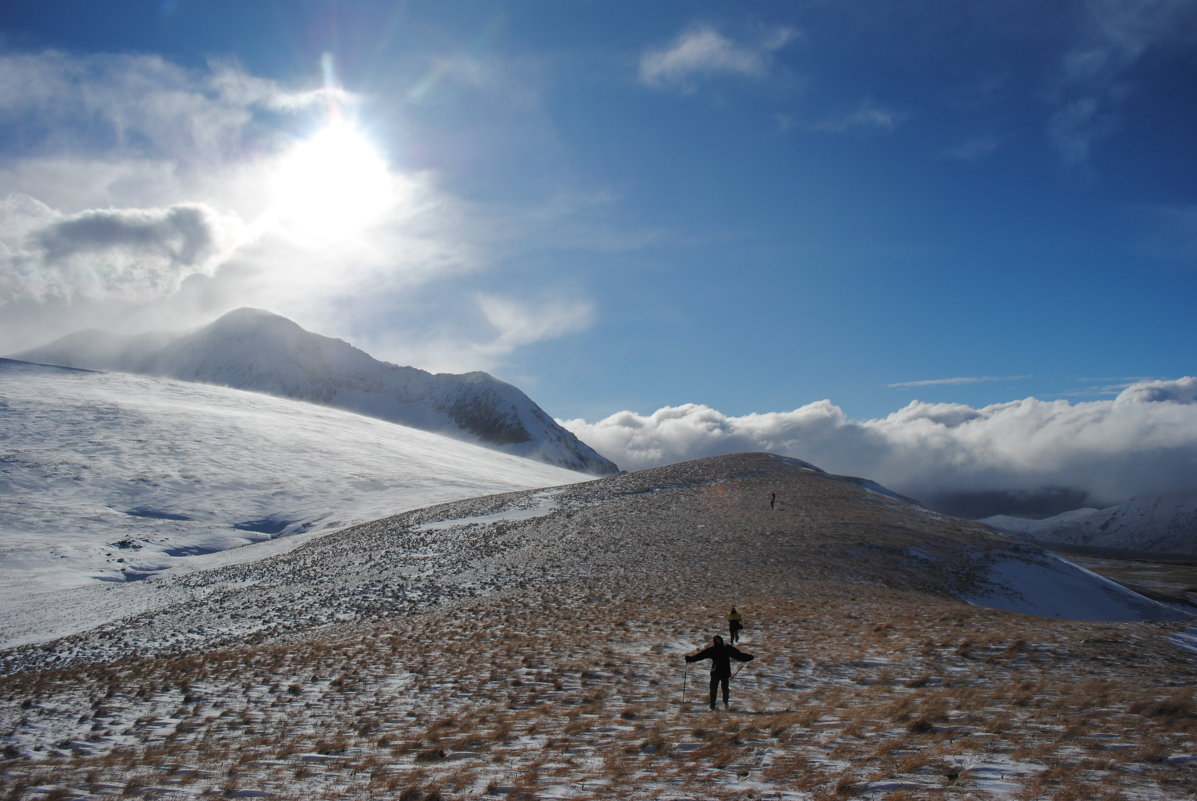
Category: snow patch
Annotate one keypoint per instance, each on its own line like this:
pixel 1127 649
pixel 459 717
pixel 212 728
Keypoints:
pixel 1045 585
pixel 1186 640
pixel 542 506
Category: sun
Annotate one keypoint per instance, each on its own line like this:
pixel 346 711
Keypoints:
pixel 330 187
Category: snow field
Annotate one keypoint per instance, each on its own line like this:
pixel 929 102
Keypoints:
pixel 114 478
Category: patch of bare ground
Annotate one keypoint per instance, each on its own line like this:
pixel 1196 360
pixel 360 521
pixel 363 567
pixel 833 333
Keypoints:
pixel 565 678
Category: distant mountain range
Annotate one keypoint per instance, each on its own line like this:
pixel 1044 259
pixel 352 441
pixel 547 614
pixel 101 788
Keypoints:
pixel 1157 525
pixel 259 351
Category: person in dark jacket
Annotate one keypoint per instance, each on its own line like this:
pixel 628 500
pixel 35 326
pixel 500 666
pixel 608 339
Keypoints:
pixel 721 656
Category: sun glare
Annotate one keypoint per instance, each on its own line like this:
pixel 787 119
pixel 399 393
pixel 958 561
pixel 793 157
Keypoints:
pixel 331 186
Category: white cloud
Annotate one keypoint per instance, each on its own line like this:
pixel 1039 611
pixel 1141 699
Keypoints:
pixel 139 183
pixel 140 195
pixel 1144 441
pixel 133 252
pixel 139 104
pixel 704 52
pixel 1182 392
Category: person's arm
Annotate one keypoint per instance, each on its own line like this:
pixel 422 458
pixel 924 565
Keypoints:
pixel 741 656
pixel 701 655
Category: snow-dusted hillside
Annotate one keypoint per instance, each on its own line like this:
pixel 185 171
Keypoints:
pixel 636 528
pixel 529 645
pixel 255 350
pixel 1157 525
pixel 109 476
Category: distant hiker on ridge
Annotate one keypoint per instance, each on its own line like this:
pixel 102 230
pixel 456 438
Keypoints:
pixel 721 656
pixel 734 624
pixel 772 499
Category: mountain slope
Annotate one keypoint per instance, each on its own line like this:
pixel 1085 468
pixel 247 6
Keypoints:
pixel 1157 525
pixel 108 476
pixel 255 350
pixel 530 644
pixel 644 528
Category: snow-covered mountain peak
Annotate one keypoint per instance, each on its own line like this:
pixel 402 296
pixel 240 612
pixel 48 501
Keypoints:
pixel 269 331
pixel 260 351
pixel 1162 525
pixel 252 319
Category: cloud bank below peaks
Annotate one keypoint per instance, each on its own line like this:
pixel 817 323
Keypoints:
pixel 1030 456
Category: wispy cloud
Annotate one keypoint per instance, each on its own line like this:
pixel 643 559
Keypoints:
pixel 1080 123
pixel 1171 233
pixel 1092 82
pixel 520 322
pixel 934 382
pixel 480 331
pixel 869 115
pixel 704 52
pixel 976 148
pixel 143 104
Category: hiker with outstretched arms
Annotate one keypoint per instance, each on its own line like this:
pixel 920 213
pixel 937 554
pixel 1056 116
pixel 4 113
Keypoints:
pixel 721 656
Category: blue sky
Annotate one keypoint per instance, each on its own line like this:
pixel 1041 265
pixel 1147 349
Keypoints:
pixel 624 206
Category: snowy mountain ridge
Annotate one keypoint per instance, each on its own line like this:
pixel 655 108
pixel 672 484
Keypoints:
pixel 1157 525
pixel 110 478
pixel 256 350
